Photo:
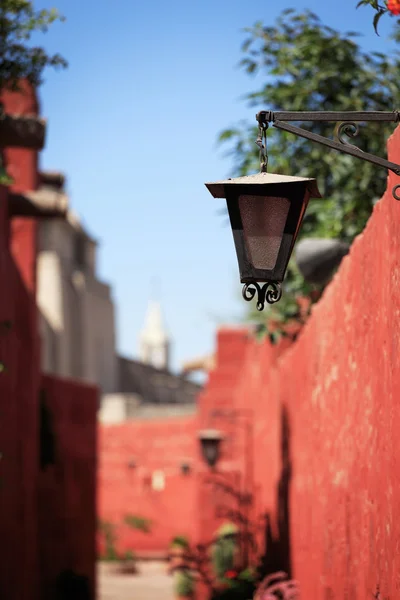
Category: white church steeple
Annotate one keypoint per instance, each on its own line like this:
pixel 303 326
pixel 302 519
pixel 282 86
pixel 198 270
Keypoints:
pixel 154 340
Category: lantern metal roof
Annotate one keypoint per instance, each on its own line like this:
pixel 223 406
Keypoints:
pixel 210 434
pixel 217 188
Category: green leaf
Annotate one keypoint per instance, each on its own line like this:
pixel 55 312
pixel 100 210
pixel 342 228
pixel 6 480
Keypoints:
pixel 19 60
pixel 138 523
pixel 376 20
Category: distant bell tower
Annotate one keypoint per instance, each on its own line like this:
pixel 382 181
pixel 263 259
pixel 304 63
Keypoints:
pixel 154 341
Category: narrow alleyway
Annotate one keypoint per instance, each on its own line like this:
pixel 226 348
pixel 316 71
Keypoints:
pixel 151 583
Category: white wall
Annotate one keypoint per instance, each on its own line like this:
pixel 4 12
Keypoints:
pixel 78 322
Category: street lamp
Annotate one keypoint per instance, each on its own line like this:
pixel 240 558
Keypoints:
pixel 210 443
pixel 266 210
pixel 244 417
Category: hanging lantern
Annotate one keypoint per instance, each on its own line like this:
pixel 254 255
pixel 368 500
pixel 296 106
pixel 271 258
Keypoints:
pixel 265 212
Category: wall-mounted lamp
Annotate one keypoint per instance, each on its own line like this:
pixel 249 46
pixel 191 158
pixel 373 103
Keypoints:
pixel 210 443
pixel 266 210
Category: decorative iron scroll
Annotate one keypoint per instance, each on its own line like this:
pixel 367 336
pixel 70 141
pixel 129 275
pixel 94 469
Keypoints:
pixel 347 125
pixel 270 292
pixel 349 129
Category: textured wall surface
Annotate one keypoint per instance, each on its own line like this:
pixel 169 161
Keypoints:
pixel 19 353
pixel 310 429
pixel 325 421
pixel 67 485
pixel 19 381
pixel 134 457
pixel 72 302
pixel 341 384
pixel 22 491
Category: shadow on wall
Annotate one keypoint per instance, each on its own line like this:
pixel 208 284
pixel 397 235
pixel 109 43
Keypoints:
pixel 277 552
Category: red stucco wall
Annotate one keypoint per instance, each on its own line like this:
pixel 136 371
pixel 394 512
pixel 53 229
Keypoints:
pixel 124 489
pixel 18 425
pixel 341 384
pixel 326 420
pixel 323 418
pixel 66 517
pixel 35 508
pixel 19 351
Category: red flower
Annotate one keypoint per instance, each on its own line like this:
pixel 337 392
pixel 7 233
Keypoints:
pixel 230 575
pixel 394 6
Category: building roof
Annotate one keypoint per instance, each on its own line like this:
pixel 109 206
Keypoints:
pixel 39 203
pixel 153 385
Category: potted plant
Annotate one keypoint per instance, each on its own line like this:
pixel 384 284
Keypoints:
pixel 236 585
pixel 224 552
pixel 128 563
pixel 109 539
pixel 184 584
pixel 177 552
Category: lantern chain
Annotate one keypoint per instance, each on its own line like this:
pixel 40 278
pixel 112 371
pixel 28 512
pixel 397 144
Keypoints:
pixel 261 142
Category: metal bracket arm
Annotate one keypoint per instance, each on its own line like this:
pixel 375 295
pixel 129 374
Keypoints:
pixel 347 126
pixel 339 146
pixel 348 120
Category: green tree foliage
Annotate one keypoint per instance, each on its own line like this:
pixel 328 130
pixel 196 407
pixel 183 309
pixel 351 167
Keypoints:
pixel 19 59
pixel 308 66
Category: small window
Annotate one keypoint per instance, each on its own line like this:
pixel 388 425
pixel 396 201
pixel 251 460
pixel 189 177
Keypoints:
pixel 158 481
pixel 80 251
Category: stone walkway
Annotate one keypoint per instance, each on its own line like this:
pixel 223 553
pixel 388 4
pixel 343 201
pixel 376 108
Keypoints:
pixel 151 583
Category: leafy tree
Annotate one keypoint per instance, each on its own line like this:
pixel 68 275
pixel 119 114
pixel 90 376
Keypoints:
pixel 309 66
pixel 18 58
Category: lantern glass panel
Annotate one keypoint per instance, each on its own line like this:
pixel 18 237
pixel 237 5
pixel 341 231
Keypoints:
pixel 264 220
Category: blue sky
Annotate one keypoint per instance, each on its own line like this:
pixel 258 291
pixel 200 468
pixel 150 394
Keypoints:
pixel 133 124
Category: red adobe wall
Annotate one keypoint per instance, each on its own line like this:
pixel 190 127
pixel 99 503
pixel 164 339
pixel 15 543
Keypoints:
pixel 124 489
pixel 18 425
pixel 22 166
pixel 325 460
pixel 67 488
pixel 19 351
pixel 232 345
pixel 21 492
pixel 341 383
